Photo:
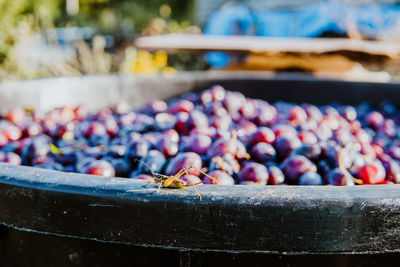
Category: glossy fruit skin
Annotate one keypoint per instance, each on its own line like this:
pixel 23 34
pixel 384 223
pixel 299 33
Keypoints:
pixel 284 145
pixel 310 151
pixel 136 150
pixel 307 137
pixel 392 169
pixel 372 173
pixel 295 166
pixel 198 143
pixel 10 158
pixel 101 168
pixel 297 115
pixel 181 106
pixel 167 146
pixel 263 134
pixel 95 128
pixel 374 119
pixel 276 176
pixel 263 152
pixel 35 148
pixel 254 172
pixel 190 180
pixel 310 178
pixel 197 119
pixel 32 129
pixel 222 147
pixel 184 160
pixel 16 115
pixel 153 162
pixel 121 166
pixel 238 139
pixel 337 177
pixel 220 178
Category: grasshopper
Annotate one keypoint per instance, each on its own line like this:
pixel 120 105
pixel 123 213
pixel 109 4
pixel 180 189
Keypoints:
pixel 174 181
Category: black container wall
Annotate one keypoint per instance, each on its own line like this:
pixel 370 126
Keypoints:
pixel 59 219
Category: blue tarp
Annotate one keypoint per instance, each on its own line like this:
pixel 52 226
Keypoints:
pixel 310 21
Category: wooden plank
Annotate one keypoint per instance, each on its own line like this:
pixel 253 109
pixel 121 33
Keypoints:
pixel 257 44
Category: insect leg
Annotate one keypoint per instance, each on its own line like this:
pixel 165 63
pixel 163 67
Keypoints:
pixel 173 178
pixel 212 178
pixel 194 185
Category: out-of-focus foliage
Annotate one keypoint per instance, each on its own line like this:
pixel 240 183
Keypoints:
pixel 144 62
pixel 127 15
pixel 27 52
pixel 19 19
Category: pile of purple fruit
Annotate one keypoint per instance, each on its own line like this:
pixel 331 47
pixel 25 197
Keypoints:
pixel 234 139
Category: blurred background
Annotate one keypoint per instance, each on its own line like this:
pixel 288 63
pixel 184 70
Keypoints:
pixel 356 39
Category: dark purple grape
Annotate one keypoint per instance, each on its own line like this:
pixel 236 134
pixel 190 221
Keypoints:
pixel 349 113
pixel 255 172
pixel 184 160
pixel 297 115
pixel 165 121
pixel 10 158
pixel 307 137
pixel 51 165
pixel 337 177
pixel 166 146
pixel 198 143
pixel 181 122
pixel 220 177
pixel 222 147
pixel 101 168
pixel 323 167
pixel 116 151
pixel 276 176
pixel 83 164
pixel 313 112
pixel 217 93
pixel 284 145
pixel 374 119
pixel 95 128
pixel 284 130
pixel 310 178
pixel 155 107
pixel 372 173
pixel 153 162
pixel 215 129
pixel 37 147
pixel 197 119
pixel 181 106
pixel 310 151
pixel 99 139
pixel 392 168
pixel 263 134
pixel 263 152
pixel 295 166
pixel 233 101
pixel 137 150
pixel 191 179
pixel 121 166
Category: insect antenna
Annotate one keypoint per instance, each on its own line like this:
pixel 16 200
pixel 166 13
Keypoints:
pixel 209 176
pixel 147 165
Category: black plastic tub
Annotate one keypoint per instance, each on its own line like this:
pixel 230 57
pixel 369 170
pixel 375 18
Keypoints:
pixel 53 218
